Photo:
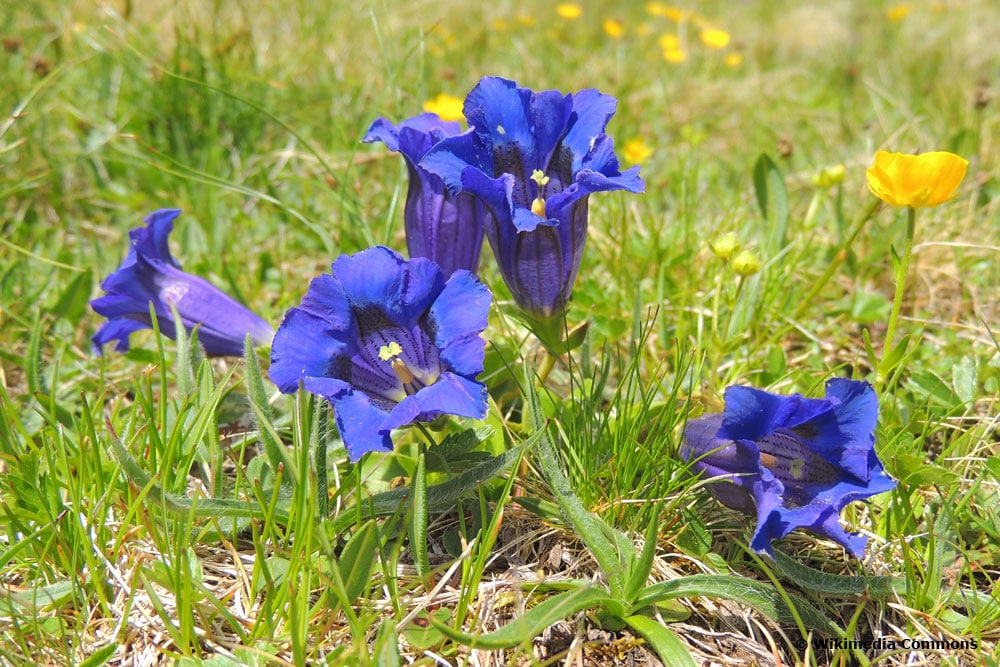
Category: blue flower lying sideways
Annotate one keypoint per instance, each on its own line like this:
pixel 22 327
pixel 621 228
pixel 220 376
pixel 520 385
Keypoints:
pixel 150 274
pixel 796 462
pixel 387 342
pixel 534 158
pixel 444 228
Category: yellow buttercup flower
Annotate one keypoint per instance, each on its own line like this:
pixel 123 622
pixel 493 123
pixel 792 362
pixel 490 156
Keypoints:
pixel 614 28
pixel 898 12
pixel 448 107
pixel 636 151
pixel 675 55
pixel 918 181
pixel 715 38
pixel 569 10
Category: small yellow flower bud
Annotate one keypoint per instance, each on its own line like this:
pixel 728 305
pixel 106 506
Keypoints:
pixel 827 177
pixel 745 263
pixel 725 246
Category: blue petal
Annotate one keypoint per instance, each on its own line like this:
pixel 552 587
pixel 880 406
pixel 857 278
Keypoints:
pixel 520 126
pixel 379 278
pixel 414 136
pixel 151 241
pixel 358 419
pixel 325 300
pixel 753 413
pixel 452 394
pixel 592 110
pixel 119 329
pixel 451 157
pixel 305 346
pixel 846 434
pixel 457 318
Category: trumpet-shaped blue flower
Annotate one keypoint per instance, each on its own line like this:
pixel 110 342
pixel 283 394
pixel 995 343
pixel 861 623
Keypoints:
pixel 150 274
pixel 446 229
pixel 534 158
pixel 796 462
pixel 387 342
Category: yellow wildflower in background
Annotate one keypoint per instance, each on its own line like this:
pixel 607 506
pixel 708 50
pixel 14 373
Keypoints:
pixel 733 59
pixel 636 151
pixel 827 177
pixel 898 12
pixel 614 28
pixel 569 10
pixel 918 181
pixel 448 107
pixel 715 38
pixel 675 56
pixel 669 41
pixel 527 20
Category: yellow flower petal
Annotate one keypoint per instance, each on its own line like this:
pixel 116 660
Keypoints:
pixel 614 28
pixel 919 181
pixel 715 38
pixel 898 12
pixel 569 10
pixel 636 151
pixel 446 106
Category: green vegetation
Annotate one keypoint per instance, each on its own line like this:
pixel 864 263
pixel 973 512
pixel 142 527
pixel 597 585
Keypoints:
pixel 161 505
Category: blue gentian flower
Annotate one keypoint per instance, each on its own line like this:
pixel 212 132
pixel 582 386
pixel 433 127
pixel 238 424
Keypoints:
pixel 150 274
pixel 446 229
pixel 387 342
pixel 796 462
pixel 534 158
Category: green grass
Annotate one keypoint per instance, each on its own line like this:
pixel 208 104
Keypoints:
pixel 159 504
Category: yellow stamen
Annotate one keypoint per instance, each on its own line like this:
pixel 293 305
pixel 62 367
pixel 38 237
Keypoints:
pixel 538 207
pixel 795 468
pixel 404 374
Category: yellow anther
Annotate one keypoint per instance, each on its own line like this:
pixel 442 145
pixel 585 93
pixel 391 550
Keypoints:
pixel 387 352
pixel 538 206
pixel 795 468
pixel 539 177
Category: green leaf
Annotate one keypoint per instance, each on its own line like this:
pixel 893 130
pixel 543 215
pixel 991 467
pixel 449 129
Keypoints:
pixel 530 624
pixel 963 377
pixel 424 633
pixel 357 560
pixel 670 649
pixel 418 525
pixel 257 394
pixel 72 303
pixel 100 656
pixel 816 581
pixel 761 597
pixel 644 565
pixel 772 199
pixel 590 528
pixel 387 646
pixel 441 496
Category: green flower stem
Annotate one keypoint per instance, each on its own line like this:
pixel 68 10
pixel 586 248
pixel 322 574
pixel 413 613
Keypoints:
pixel 901 270
pixel 838 259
